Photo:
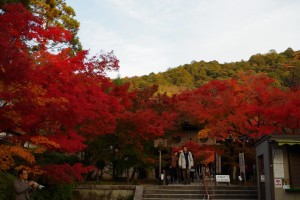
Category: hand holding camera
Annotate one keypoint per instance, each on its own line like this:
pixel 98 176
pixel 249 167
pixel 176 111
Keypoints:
pixel 36 185
pixel 41 187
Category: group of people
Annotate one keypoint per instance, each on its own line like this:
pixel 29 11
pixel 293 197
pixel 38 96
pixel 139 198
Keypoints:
pixel 181 165
pixel 182 168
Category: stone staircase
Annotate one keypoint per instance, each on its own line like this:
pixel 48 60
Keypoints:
pixel 189 192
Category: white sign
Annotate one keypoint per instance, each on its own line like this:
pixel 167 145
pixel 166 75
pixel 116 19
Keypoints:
pixel 160 142
pixel 222 178
pixel 262 178
pixel 286 187
pixel 278 170
pixel 278 156
pixel 278 183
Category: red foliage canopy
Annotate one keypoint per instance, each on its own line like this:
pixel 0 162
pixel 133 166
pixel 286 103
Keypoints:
pixel 51 93
pixel 48 90
pixel 252 107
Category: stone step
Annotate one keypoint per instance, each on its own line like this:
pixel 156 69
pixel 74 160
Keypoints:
pixel 191 199
pixel 192 192
pixel 200 196
pixel 217 191
pixel 198 187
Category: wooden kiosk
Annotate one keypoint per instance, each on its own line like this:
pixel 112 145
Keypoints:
pixel 278 167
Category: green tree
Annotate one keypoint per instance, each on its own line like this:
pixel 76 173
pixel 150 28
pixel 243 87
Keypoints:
pixel 54 13
pixel 57 12
pixel 182 77
pixel 289 53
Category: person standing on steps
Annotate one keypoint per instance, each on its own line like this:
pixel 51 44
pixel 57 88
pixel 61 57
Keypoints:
pixel 186 162
pixel 174 168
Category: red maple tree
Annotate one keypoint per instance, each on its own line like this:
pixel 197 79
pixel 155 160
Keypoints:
pixel 251 106
pixel 50 91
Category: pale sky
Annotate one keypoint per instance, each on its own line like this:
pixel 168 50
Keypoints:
pixel 154 35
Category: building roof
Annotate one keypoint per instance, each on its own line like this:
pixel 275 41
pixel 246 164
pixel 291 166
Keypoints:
pixel 280 139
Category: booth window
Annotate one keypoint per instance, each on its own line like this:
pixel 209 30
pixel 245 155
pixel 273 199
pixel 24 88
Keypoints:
pixel 294 160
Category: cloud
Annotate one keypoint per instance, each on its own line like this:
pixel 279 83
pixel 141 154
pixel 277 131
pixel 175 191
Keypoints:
pixel 151 36
pixel 147 12
pixel 135 56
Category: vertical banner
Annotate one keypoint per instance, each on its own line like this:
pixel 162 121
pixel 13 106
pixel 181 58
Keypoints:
pixel 278 163
pixel 242 165
pixel 218 164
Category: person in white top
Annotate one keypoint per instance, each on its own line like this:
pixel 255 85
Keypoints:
pixel 185 163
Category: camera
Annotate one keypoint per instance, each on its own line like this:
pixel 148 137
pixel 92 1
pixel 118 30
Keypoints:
pixel 36 185
pixel 41 187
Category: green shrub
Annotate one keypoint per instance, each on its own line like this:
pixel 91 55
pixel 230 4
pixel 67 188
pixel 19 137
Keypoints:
pixel 6 186
pixel 94 196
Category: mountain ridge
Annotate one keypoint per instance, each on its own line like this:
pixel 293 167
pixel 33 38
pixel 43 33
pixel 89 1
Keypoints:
pixel 284 67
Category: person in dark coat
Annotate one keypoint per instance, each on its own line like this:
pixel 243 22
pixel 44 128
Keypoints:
pixel 23 187
pixel 174 168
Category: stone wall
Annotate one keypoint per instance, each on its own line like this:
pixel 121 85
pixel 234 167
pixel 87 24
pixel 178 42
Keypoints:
pixel 117 192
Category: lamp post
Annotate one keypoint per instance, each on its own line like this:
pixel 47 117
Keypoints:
pixel 160 143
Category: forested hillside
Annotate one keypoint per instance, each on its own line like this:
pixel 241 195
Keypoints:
pixel 284 67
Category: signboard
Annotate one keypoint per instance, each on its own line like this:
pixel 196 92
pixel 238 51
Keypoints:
pixel 160 142
pixel 278 163
pixel 262 178
pixel 222 178
pixel 278 170
pixel 278 156
pixel 278 183
pixel 242 163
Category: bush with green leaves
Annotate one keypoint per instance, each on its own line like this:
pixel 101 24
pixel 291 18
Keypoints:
pixel 6 186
